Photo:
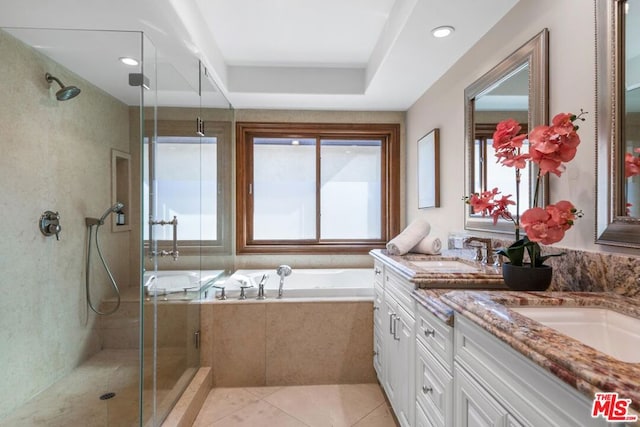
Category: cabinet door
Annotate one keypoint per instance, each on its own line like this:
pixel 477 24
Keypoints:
pixel 378 355
pixel 404 340
pixel 434 387
pixel 474 406
pixel 379 333
pixel 390 350
pixel 421 418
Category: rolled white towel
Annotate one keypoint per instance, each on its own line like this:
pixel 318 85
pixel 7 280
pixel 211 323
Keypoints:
pixel 429 245
pixel 409 237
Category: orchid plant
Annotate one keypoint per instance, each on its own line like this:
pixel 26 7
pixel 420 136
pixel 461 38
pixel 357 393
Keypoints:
pixel 549 148
pixel 631 169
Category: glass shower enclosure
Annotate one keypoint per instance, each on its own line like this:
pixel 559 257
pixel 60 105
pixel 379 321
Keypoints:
pixel 63 364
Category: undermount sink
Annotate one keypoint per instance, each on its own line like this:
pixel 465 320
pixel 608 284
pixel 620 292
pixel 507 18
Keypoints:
pixel 608 331
pixel 445 265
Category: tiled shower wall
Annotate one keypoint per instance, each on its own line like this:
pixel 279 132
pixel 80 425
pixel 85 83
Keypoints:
pixel 54 156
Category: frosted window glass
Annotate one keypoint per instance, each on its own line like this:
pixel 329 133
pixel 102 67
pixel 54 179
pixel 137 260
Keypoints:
pixel 186 179
pixel 284 189
pixel 350 189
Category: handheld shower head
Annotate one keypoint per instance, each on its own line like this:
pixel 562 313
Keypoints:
pixel 66 92
pixel 117 207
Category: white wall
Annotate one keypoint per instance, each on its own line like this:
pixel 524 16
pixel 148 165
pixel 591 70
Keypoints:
pixel 572 86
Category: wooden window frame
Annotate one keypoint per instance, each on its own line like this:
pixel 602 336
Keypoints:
pixel 389 134
pixel 221 131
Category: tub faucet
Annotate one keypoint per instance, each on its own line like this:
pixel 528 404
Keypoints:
pixel 282 271
pixel 263 281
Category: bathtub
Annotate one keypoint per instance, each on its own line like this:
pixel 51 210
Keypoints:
pixel 314 283
pixel 185 282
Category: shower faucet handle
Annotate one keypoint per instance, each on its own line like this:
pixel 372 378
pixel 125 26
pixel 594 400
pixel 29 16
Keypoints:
pixel 50 224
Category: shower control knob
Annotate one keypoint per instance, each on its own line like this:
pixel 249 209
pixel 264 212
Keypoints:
pixel 54 229
pixel 50 224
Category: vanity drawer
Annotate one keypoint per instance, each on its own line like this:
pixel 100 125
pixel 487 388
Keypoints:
pixel 401 290
pixel 436 336
pixel 434 387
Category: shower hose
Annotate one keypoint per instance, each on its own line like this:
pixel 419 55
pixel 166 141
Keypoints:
pixel 106 267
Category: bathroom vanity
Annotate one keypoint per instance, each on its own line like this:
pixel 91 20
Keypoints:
pixel 412 347
pixel 449 355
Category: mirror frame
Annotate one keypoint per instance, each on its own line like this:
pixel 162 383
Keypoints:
pixel 429 170
pixel 535 52
pixel 612 227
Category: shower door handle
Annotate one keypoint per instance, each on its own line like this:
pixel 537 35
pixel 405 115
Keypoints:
pixel 174 252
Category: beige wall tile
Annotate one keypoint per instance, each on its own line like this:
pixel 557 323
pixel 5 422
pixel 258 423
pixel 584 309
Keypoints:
pixel 319 343
pixel 239 345
pixel 56 156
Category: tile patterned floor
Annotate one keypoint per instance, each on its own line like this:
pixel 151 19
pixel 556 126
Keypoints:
pixel 346 405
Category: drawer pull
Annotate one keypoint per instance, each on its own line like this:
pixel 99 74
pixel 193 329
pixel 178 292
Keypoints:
pixel 375 307
pixel 391 322
pixel 429 332
pixel 395 329
pixel 377 271
pixel 426 389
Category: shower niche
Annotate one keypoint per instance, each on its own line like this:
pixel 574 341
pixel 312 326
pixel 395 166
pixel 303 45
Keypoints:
pixel 121 189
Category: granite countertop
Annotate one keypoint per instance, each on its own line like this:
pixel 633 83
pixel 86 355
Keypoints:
pixel 430 299
pixel 487 276
pixel 578 365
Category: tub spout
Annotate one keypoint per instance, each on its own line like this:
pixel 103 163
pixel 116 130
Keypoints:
pixel 282 271
pixel 263 281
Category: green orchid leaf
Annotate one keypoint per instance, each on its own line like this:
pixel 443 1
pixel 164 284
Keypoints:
pixel 515 252
pixel 546 257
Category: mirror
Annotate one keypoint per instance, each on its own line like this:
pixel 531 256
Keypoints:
pixel 618 128
pixel 429 170
pixel 516 88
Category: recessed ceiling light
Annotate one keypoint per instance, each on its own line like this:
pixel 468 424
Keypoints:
pixel 295 142
pixel 443 31
pixel 132 62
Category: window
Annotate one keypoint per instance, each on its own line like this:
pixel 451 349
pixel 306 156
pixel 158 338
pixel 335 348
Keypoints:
pixel 316 187
pixel 189 172
pixel 489 174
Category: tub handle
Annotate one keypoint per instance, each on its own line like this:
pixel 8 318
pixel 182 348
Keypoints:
pixel 222 295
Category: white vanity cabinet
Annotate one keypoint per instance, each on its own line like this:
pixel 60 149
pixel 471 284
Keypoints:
pixel 496 385
pixel 378 328
pixel 474 406
pixel 394 337
pixel 433 369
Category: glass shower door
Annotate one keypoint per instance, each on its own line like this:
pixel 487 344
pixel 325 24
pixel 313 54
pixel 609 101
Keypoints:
pixel 171 308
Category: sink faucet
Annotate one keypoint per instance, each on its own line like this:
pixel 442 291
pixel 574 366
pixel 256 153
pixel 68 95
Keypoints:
pixel 282 271
pixel 482 246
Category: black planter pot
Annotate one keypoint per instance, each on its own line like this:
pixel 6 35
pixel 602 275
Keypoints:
pixel 525 278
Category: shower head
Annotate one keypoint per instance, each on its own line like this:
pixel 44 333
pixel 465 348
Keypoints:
pixel 65 92
pixel 117 207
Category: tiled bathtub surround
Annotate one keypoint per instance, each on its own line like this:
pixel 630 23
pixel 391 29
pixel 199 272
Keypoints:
pixel 578 365
pixel 283 343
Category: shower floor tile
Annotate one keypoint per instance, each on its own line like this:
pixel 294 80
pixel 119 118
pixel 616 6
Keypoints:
pixel 299 406
pixel 74 400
